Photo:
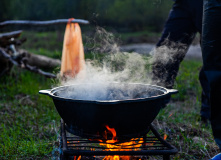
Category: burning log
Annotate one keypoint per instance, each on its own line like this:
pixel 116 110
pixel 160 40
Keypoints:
pixel 42 23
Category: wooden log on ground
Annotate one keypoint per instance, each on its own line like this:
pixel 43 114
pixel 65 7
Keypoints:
pixel 39 60
pixel 42 23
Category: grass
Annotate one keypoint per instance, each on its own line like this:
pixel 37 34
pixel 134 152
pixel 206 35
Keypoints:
pixel 187 81
pixel 28 119
pixel 48 40
pixel 146 36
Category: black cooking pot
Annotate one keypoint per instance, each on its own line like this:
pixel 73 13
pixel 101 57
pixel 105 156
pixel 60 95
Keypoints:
pixel 128 108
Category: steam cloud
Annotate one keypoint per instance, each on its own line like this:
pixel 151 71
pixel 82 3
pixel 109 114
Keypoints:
pixel 98 80
pixel 165 62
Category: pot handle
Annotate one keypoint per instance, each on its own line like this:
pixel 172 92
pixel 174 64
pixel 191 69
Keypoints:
pixel 46 91
pixel 173 91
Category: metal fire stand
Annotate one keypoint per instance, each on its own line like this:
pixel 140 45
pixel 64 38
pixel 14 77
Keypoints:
pixel 74 146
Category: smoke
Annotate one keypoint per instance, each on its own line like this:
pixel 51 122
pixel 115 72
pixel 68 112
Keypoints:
pixel 98 80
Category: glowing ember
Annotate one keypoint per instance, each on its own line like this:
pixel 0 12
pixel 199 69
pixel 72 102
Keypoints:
pixel 75 158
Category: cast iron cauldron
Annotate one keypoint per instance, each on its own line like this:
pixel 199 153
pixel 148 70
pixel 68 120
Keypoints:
pixel 129 108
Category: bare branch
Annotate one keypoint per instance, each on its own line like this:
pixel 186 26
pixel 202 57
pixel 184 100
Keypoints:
pixel 39 71
pixel 42 23
pixel 8 35
pixel 8 57
pixel 10 38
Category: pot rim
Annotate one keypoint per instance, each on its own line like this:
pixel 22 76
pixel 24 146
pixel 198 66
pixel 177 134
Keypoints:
pixel 166 92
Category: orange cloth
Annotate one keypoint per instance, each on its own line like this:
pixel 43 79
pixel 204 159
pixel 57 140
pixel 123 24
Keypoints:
pixel 73 53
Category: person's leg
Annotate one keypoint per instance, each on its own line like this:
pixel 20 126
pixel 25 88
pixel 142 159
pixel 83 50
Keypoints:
pixel 205 102
pixel 179 31
pixel 211 40
pixel 197 14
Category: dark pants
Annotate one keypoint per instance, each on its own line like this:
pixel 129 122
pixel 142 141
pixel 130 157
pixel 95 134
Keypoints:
pixel 211 43
pixel 185 20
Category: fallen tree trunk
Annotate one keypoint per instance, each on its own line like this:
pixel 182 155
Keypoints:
pixel 39 60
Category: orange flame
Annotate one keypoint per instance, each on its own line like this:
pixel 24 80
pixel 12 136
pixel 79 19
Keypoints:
pixel 165 136
pixel 170 115
pixel 111 145
pixel 125 146
pixel 113 131
pixel 75 158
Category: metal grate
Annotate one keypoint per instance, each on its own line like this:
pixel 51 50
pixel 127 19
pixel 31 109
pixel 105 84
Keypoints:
pixel 152 144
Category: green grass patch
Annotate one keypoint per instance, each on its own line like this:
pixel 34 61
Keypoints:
pixel 138 37
pixel 52 41
pixel 127 35
pixel 28 120
pixel 187 81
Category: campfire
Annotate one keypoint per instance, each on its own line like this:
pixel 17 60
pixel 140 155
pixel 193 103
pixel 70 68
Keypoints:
pixel 112 145
pixel 138 148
